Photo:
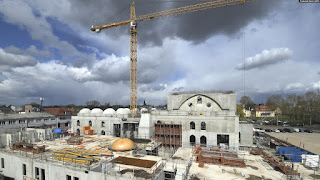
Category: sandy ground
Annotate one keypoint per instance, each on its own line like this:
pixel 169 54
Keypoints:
pixel 307 141
pixel 255 167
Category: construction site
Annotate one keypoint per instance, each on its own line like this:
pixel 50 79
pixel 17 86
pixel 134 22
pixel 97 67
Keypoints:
pixel 197 137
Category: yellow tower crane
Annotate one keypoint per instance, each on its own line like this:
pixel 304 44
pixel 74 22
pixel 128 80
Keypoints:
pixel 133 34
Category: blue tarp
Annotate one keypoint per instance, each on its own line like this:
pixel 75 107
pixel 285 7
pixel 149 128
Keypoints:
pixel 57 131
pixel 292 153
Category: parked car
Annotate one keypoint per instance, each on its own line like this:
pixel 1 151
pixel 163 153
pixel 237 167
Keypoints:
pixel 277 130
pixel 281 130
pixel 308 131
pixel 268 130
pixel 301 130
pixel 296 130
pixel 288 130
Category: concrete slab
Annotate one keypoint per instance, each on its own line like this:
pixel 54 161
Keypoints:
pixel 307 141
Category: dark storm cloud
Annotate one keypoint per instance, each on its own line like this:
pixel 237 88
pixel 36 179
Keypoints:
pixel 195 27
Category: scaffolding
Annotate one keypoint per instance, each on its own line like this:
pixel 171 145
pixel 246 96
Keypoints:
pixel 169 134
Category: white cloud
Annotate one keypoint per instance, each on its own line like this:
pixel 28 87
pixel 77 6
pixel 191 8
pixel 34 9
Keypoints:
pixel 267 57
pixel 32 50
pixel 294 87
pixel 8 60
pixel 316 85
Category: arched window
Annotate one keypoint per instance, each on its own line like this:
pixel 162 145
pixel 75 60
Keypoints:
pixel 203 126
pixel 90 123
pixel 192 125
pixel 203 141
pixel 199 100
pixel 192 140
pixel 103 132
pixel 102 124
pixel 78 123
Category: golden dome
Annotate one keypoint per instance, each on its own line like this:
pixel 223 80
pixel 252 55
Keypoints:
pixel 122 144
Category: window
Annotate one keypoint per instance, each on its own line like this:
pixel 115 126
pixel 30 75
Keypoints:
pixel 2 122
pixel 102 124
pixel 208 104
pixel 78 131
pixel 75 178
pixel 190 104
pixel 203 141
pixel 37 173
pixel 192 140
pixel 58 125
pixel 24 169
pixel 78 123
pixel 90 123
pixel 222 139
pixel 43 174
pixel 199 100
pixel 192 125
pixel 2 162
pixel 68 177
pixel 103 132
pixel 53 119
pixel 203 126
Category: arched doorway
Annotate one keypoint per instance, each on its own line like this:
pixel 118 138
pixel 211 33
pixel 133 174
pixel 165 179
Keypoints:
pixel 192 140
pixel 78 131
pixel 78 123
pixel 103 132
pixel 203 141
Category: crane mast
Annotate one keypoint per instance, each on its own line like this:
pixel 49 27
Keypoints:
pixel 133 34
pixel 133 61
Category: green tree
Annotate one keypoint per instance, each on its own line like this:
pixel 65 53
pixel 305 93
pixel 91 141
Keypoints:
pixel 275 101
pixel 93 104
pixel 246 100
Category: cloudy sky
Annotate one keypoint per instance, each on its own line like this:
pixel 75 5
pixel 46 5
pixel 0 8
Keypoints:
pixel 257 49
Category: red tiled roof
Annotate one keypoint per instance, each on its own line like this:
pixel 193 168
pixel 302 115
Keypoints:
pixel 264 108
pixel 60 111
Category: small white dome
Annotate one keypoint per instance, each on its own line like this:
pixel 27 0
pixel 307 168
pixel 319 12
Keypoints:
pixel 109 111
pixel 96 111
pixel 84 111
pixel 122 111
pixel 127 109
pixel 144 110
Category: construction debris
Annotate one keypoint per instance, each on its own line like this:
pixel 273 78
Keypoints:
pixel 218 157
pixel 275 163
pixel 74 140
pixel 27 147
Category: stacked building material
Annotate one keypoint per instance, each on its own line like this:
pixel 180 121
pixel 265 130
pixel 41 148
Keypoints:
pixel 74 140
pixel 79 156
pixel 23 146
pixel 87 130
pixel 291 153
pixel 275 163
pixel 218 157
